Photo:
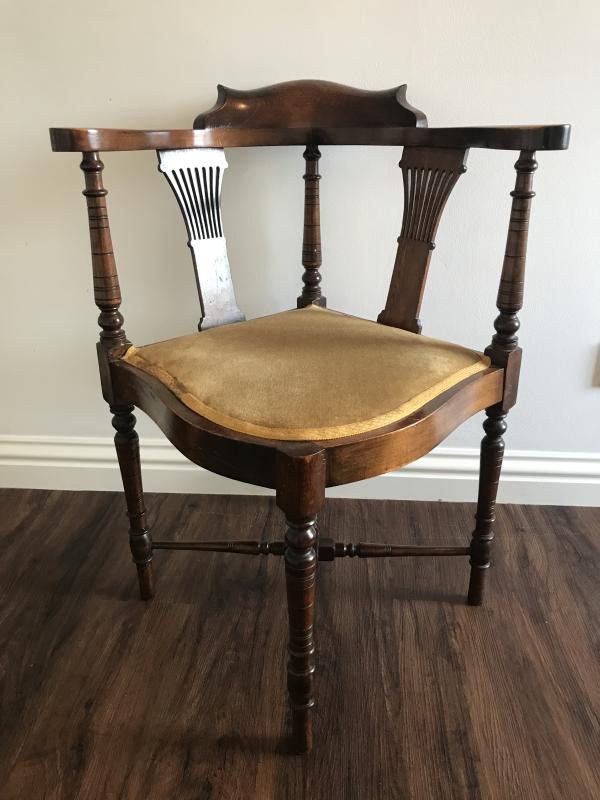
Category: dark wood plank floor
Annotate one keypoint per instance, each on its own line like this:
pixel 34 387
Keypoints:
pixel 418 695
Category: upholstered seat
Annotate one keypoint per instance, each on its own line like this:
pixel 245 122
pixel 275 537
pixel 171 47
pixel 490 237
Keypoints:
pixel 306 374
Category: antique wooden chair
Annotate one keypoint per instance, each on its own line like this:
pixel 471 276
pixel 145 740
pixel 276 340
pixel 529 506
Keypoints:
pixel 308 398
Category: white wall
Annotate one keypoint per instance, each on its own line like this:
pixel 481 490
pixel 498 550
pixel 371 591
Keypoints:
pixel 150 64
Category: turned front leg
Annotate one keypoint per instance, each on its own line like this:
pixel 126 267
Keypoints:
pixel 128 453
pixel 300 495
pixel 300 569
pixel 504 351
pixel 492 452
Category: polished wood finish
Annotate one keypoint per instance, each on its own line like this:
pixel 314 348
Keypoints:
pixel 349 459
pixel 311 113
pixel 113 343
pixel 309 104
pixel 107 292
pixel 517 137
pixel 492 452
pixel 240 547
pixel 127 446
pixel 429 175
pixel 311 237
pixel 505 352
pixel 300 495
pixel 419 696
pixel 327 549
pixel 376 550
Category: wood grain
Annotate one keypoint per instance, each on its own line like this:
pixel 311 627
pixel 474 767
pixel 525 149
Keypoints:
pixel 517 137
pixel 429 175
pixel 311 234
pixel 349 459
pixel 418 695
pixel 309 104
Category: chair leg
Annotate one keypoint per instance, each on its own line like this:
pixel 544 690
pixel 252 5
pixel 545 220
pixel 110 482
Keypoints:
pixel 492 451
pixel 301 472
pixel 300 569
pixel 128 453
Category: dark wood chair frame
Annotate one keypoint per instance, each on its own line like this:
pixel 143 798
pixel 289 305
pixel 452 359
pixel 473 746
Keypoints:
pixel 315 113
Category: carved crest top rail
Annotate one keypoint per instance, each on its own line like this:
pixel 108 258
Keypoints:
pixel 312 112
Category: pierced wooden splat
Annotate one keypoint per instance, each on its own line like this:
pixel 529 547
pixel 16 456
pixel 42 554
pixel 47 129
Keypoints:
pixel 196 176
pixel 429 175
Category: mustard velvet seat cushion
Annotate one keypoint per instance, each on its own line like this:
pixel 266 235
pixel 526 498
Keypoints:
pixel 304 374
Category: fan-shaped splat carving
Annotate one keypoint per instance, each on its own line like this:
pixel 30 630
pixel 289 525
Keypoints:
pixel 195 176
pixel 429 175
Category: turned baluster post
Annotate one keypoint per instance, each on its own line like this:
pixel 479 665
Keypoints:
pixel 107 292
pixel 127 445
pixel 504 351
pixel 311 240
pixel 300 495
pixel 113 343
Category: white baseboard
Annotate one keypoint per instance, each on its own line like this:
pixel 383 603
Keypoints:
pixel 447 473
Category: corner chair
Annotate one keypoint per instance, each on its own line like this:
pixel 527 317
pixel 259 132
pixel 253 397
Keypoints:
pixel 309 398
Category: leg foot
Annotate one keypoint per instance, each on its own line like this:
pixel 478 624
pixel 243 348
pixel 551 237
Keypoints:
pixel 128 453
pixel 146 581
pixel 476 585
pixel 492 451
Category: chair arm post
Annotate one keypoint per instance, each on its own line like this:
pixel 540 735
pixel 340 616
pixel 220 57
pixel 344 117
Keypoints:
pixel 107 292
pixel 504 350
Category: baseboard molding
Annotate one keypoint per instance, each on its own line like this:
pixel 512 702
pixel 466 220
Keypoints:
pixel 447 473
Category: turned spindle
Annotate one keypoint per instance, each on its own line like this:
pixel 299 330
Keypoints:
pixel 113 343
pixel 300 568
pixel 107 292
pixel 311 240
pixel 300 495
pixel 492 452
pixel 504 351
pixel 128 453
